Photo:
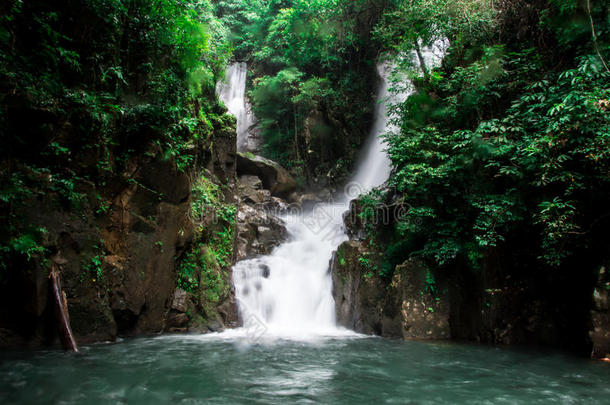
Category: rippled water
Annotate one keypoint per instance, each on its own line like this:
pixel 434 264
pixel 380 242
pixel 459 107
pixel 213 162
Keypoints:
pixel 221 369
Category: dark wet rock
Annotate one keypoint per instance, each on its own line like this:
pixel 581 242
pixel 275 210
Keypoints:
pixel 179 303
pixel 358 299
pixel 119 267
pixel 600 316
pixel 186 315
pixel 251 190
pixel 423 307
pixel 278 207
pixel 265 270
pixel 275 178
pixel 309 200
pixel 405 307
pixel 266 236
pixel 216 325
pixel 259 229
pixel 177 321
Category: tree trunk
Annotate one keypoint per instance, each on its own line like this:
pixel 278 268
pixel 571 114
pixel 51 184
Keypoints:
pixel 296 137
pixel 594 34
pixel 61 311
pixel 422 62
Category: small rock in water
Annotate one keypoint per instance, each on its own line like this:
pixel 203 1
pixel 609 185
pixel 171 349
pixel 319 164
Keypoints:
pixel 216 326
pixel 258 286
pixel 245 291
pixel 265 269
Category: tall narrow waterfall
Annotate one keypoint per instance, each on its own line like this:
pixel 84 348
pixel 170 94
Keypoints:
pixel 374 167
pixel 290 290
pixel 232 91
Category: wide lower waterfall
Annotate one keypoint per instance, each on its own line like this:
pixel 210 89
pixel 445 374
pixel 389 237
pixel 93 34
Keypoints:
pixel 232 91
pixel 290 289
pixel 289 292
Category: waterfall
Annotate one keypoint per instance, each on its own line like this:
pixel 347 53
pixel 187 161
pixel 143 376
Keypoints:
pixel 375 166
pixel 288 293
pixel 290 289
pixel 232 91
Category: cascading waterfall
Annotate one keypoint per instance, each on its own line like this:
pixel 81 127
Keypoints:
pixel 375 167
pixel 290 290
pixel 232 91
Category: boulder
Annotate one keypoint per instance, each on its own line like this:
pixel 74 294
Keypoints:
pixel 423 304
pixel 258 231
pixel 600 317
pixel 250 181
pixel 410 306
pixel 358 298
pixel 259 228
pixel 273 176
pixel 179 303
pixel 308 200
pixel 251 190
pixel 276 206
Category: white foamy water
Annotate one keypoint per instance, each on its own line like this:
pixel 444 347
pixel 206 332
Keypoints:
pixel 288 294
pixel 232 91
pixel 375 166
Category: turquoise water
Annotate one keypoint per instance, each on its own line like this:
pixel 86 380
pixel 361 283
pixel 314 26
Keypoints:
pixel 219 370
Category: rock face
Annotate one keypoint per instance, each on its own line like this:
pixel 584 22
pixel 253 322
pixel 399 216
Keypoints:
pixel 511 302
pixel 121 244
pixel 507 300
pixel 501 303
pixel 251 190
pixel 120 273
pixel 209 305
pixel 259 229
pixel 274 177
pixel 185 315
pixel 143 239
pixel 488 306
pixel 177 319
pixel 600 317
pixel 358 299
pixel 410 306
pixel 258 232
pixel 424 303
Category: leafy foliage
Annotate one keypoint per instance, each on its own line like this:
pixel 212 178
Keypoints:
pixel 313 77
pixel 87 86
pixel 202 270
pixel 509 140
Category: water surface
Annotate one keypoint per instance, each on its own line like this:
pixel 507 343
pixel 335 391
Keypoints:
pixel 223 369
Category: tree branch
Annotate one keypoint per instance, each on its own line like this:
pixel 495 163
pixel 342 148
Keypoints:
pixel 595 36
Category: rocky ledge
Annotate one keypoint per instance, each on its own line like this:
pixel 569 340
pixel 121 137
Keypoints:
pixel 408 306
pixel 259 229
pixel 600 317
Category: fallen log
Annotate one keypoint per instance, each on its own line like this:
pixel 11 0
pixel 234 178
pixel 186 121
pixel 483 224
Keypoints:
pixel 61 307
